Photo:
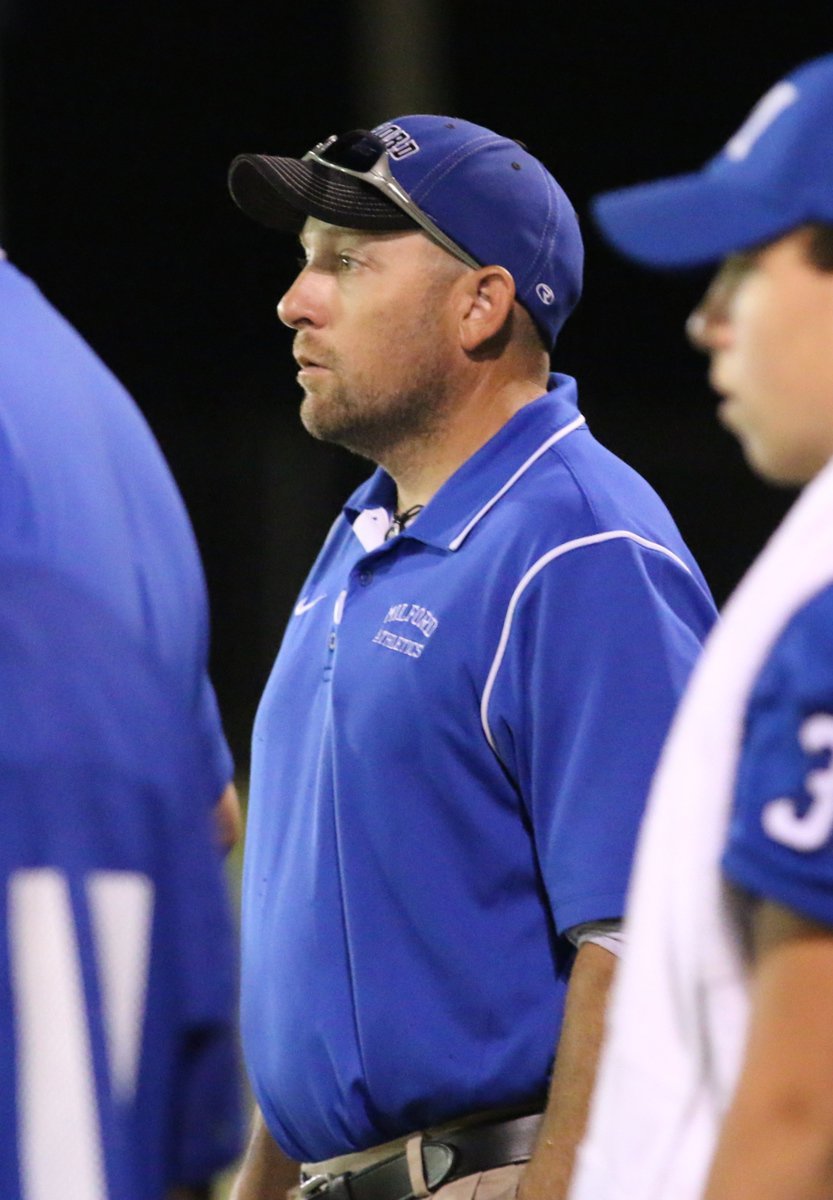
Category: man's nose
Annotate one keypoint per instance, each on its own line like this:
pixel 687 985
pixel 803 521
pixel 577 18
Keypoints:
pixel 708 325
pixel 301 303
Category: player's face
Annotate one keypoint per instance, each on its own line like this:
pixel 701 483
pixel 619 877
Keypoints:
pixel 374 323
pixel 767 323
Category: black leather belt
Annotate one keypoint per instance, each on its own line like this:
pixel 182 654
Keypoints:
pixel 452 1156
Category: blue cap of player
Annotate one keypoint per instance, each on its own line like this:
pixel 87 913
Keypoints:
pixel 773 175
pixel 481 196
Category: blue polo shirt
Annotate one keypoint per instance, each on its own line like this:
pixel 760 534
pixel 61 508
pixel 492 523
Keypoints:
pixel 449 765
pixel 84 489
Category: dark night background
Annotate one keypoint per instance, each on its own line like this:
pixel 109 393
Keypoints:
pixel 118 121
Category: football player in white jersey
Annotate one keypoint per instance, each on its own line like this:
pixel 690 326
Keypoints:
pixel 717 1072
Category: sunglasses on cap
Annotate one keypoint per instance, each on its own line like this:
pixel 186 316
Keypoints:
pixel 363 155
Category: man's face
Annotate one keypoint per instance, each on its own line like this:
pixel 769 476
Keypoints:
pixel 374 326
pixel 767 323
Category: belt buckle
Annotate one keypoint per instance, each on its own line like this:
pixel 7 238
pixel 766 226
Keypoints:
pixel 314 1185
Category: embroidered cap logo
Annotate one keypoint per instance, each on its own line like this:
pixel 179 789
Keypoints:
pixel 398 143
pixel 759 120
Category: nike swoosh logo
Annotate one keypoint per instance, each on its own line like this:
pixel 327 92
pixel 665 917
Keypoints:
pixel 305 605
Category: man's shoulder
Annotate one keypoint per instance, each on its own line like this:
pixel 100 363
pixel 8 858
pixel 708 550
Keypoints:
pixel 580 488
pixel 780 841
pixel 81 468
pixel 53 380
pixel 801 656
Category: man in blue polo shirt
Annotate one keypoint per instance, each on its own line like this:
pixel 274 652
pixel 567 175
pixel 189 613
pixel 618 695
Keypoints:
pixel 451 755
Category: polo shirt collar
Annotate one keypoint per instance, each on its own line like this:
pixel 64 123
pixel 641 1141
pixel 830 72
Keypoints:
pixel 484 479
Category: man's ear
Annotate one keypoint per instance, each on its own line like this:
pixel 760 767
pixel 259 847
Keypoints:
pixel 488 296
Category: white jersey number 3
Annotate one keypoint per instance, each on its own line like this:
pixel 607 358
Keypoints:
pixel 779 817
pixel 60 1149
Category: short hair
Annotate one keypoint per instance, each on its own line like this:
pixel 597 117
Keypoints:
pixel 530 335
pixel 820 245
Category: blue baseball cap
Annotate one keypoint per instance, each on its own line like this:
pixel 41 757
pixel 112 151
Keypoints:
pixel 481 196
pixel 773 175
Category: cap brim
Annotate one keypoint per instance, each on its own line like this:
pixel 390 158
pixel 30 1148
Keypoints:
pixel 688 220
pixel 282 192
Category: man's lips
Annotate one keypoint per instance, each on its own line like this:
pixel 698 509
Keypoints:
pixel 310 359
pixel 718 379
pixel 727 411
pixel 310 366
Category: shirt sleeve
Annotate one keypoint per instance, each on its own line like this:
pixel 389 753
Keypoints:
pixel 600 648
pixel 780 841
pixel 217 753
pixel 208 1118
pixel 209 1112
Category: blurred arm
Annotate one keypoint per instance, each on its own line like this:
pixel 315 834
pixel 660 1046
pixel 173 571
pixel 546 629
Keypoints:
pixel 266 1173
pixel 228 818
pixel 548 1173
pixel 777 1139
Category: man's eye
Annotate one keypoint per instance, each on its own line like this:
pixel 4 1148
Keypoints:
pixel 737 266
pixel 347 262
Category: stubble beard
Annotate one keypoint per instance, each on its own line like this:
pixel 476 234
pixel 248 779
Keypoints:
pixel 375 423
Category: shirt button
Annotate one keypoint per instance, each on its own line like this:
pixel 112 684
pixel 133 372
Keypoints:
pixel 331 641
pixel 365 577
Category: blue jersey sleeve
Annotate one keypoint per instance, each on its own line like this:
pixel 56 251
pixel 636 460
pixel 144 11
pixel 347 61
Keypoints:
pixel 601 646
pixel 208 1116
pixel 218 755
pixel 780 842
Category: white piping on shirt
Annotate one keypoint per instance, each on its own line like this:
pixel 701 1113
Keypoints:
pixel 564 548
pixel 556 437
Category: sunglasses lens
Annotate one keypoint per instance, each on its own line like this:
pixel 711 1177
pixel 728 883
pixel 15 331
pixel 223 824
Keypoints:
pixel 358 151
